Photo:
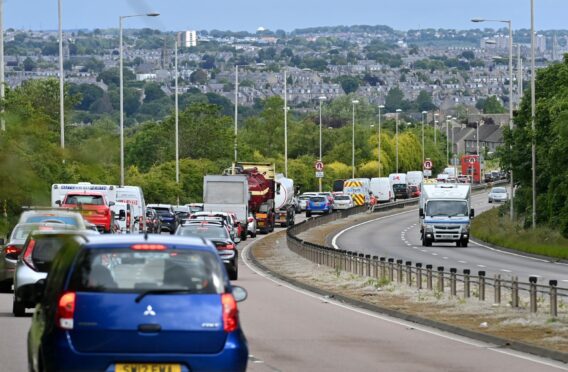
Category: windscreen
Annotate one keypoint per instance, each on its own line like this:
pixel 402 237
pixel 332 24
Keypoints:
pixel 204 231
pixel 224 193
pixel 399 187
pixel 21 232
pixel 499 190
pixel 342 197
pixel 64 220
pixel 118 270
pixel 317 199
pixel 46 247
pixel 85 199
pixel 451 208
pixel 163 211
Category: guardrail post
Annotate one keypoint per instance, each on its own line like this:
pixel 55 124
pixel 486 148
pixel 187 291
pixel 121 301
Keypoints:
pixel 453 289
pixel 382 266
pixel 391 270
pixel 429 277
pixel 419 275
pixel 408 273
pixel 553 298
pixel 514 292
pixel 532 290
pixel 481 285
pixel 351 261
pixel 345 260
pixel 466 289
pixel 440 278
pixel 497 291
pixel 376 267
pixel 361 264
pixel 368 262
pixel 399 271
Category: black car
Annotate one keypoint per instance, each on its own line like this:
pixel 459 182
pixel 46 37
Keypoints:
pixel 168 218
pixel 153 223
pixel 401 191
pixel 218 235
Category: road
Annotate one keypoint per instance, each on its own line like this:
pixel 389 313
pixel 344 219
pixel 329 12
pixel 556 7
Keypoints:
pixel 399 237
pixel 292 330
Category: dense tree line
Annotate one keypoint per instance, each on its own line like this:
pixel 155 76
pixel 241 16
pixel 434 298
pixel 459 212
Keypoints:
pixel 32 158
pixel 551 138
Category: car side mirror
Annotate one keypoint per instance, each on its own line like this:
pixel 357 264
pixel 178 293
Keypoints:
pixel 471 213
pixel 110 204
pixel 122 215
pixel 421 212
pixel 58 202
pixel 239 293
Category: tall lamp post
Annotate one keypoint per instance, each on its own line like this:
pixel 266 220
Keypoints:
pixel 448 117
pixel 354 102
pixel 435 126
pixel 533 116
pixel 121 73
pixel 176 113
pixel 321 99
pixel 286 108
pixel 61 77
pixel 2 90
pixel 510 25
pixel 380 166
pixel 424 116
pixel 398 111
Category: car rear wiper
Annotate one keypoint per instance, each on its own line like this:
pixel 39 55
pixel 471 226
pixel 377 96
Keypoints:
pixel 161 292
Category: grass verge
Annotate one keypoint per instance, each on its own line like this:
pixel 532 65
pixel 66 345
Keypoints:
pixel 495 228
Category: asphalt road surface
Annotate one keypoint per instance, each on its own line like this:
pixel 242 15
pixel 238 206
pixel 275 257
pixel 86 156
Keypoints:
pixel 292 330
pixel 399 237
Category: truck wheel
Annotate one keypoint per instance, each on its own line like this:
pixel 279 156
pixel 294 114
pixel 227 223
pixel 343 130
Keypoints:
pixel 464 243
pixel 458 243
pixel 244 235
pixel 308 214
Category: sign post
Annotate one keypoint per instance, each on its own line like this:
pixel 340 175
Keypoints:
pixel 318 166
pixel 427 165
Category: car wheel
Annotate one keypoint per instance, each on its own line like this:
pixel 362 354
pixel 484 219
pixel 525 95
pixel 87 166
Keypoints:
pixel 458 243
pixel 18 308
pixel 308 214
pixel 234 273
pixel 6 286
pixel 244 235
pixel 464 243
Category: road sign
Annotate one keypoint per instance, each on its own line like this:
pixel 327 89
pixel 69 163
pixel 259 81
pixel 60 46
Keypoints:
pixel 427 173
pixel 427 164
pixel 472 160
pixel 319 174
pixel 319 166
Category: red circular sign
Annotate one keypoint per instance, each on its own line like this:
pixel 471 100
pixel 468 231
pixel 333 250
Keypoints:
pixel 427 164
pixel 319 166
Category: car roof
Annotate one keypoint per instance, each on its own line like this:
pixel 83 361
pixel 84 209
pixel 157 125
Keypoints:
pixel 154 206
pixel 64 232
pixel 125 241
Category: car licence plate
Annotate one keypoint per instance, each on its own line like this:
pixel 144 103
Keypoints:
pixel 147 367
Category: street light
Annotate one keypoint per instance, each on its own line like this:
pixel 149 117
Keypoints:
pixel 61 77
pixel 120 18
pixel 2 90
pixel 380 107
pixel 176 114
pixel 286 108
pixel 354 102
pixel 424 116
pixel 533 115
pixel 398 111
pixel 435 125
pixel 509 23
pixel 321 99
pixel 448 117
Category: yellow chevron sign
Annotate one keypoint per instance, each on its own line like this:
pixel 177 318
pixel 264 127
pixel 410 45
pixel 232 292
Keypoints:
pixel 358 199
pixel 352 184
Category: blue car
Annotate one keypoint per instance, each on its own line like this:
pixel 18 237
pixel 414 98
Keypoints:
pixel 318 204
pixel 137 303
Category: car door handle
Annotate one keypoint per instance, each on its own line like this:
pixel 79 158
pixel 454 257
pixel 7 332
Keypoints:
pixel 149 328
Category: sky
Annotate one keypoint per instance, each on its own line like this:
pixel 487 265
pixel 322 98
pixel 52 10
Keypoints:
pixel 248 15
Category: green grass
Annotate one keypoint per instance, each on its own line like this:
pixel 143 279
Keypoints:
pixel 499 230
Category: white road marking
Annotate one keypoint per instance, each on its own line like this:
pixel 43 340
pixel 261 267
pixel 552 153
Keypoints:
pixel 444 258
pixel 434 254
pixel 481 266
pixel 402 323
pixel 424 250
pixel 505 270
pixel 462 262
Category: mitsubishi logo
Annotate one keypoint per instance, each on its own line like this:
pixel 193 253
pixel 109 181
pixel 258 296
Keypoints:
pixel 149 311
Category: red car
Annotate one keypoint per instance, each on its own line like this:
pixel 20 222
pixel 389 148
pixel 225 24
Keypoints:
pixel 414 191
pixel 94 208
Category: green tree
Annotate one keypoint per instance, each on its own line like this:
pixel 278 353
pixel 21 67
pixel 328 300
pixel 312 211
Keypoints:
pixel 349 84
pixel 29 64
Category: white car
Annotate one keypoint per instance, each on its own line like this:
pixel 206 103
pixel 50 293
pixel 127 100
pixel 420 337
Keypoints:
pixel 498 195
pixel 303 200
pixel 342 202
pixel 251 226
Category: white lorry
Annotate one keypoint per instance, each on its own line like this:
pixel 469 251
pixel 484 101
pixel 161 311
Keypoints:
pixel 228 193
pixel 284 201
pixel 60 190
pixel 445 214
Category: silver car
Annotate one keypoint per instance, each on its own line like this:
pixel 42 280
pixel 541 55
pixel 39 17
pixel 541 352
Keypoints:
pixel 498 195
pixel 34 262
pixel 342 202
pixel 55 216
pixel 9 254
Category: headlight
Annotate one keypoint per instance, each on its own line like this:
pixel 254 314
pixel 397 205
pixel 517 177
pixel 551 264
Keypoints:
pixel 429 229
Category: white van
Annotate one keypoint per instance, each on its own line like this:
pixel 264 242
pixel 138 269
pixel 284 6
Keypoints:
pixel 60 190
pixel 123 221
pixel 382 189
pixel 134 196
pixel 414 178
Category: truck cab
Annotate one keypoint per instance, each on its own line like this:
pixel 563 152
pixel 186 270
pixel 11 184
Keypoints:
pixel 445 214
